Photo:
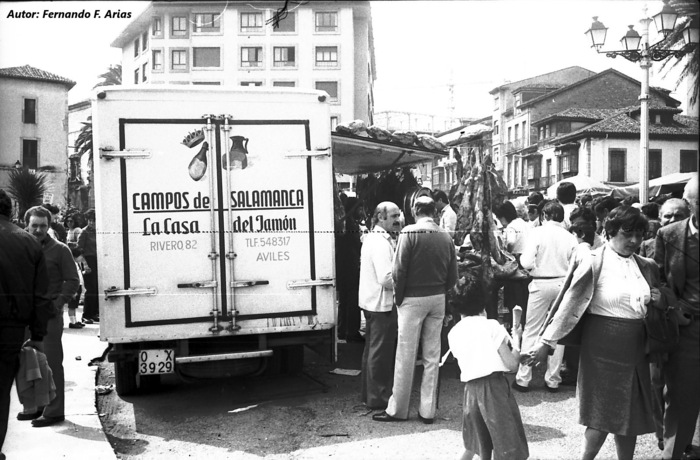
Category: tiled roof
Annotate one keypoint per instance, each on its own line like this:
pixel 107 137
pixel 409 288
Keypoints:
pixel 623 123
pixel 582 113
pixel 663 93
pixel 27 72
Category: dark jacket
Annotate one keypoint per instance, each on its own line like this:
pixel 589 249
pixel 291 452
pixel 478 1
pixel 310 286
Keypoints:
pixel 87 242
pixel 63 274
pixel 23 281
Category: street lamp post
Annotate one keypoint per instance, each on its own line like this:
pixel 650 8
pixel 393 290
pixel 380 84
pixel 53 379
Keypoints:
pixel 665 21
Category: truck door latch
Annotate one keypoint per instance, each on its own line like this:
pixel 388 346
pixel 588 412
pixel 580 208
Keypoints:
pixel 114 292
pixel 248 283
pixel 199 285
pixel 111 153
pixel 310 283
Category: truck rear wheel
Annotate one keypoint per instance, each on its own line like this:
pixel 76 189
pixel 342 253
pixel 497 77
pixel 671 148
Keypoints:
pixel 125 377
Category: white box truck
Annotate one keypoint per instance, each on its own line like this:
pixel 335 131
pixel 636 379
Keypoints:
pixel 215 230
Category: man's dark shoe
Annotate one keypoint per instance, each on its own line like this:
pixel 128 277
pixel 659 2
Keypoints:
pixel 34 415
pixel 427 421
pixel 384 417
pixel 519 388
pixel 552 389
pixel 76 325
pixel 47 421
pixel 87 320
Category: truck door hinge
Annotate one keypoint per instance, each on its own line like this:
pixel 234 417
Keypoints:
pixel 111 153
pixel 115 292
pixel 310 283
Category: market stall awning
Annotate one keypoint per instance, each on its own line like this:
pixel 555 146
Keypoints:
pixel 659 186
pixel 360 155
pixel 584 184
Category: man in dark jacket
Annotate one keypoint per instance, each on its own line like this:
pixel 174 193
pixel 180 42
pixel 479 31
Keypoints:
pixel 63 284
pixel 676 254
pixel 23 300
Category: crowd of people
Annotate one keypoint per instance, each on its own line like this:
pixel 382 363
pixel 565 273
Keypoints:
pixel 44 266
pixel 594 267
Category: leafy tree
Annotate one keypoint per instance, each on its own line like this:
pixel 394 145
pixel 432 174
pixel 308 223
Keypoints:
pixel 690 11
pixel 27 188
pixel 112 77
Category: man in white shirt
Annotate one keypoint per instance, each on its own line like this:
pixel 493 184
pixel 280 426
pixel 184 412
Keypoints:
pixel 566 195
pixel 546 255
pixel 376 300
pixel 448 218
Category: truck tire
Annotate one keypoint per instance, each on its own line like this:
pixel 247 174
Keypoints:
pixel 125 377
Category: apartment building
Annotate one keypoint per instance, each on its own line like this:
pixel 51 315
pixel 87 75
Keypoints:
pixel 510 127
pixel 325 45
pixel 34 126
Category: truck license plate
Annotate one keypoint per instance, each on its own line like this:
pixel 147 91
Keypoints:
pixel 156 362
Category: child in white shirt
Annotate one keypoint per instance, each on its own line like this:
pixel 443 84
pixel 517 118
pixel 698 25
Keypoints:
pixel 491 422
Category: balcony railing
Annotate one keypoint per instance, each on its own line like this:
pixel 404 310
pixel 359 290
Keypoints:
pixel 515 145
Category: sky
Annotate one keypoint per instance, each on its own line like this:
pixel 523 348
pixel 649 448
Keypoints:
pixel 421 47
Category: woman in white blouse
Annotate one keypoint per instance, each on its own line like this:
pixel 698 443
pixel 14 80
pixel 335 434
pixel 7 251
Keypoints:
pixel 610 292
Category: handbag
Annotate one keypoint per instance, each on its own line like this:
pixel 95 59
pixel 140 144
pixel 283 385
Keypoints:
pixel 661 325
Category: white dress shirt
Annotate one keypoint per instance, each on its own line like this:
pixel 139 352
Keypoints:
pixel 448 219
pixel 548 249
pixel 376 262
pixel 621 290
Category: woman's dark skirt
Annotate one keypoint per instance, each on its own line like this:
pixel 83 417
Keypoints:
pixel 614 385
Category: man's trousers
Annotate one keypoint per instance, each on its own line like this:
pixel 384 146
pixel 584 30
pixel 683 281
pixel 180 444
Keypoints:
pixel 420 321
pixel 542 293
pixel 378 357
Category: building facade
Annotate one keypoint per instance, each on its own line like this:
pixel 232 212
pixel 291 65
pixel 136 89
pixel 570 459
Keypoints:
pixel 528 164
pixel 34 126
pixel 317 45
pixel 510 126
pixel 603 144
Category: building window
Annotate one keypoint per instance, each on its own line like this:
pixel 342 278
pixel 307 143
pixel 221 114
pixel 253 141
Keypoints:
pixel 144 41
pixel 251 83
pixel 136 76
pixel 251 22
pixel 251 56
pixel 207 23
pixel 136 47
pixel 654 164
pixel 157 60
pixel 541 133
pixel 510 132
pixel 144 73
pixel 327 21
pixel 157 27
pixel 284 56
pixel 495 128
pixel 178 26
pixel 618 165
pixel 496 103
pixel 517 132
pixel 331 87
pixel 326 56
pixel 569 163
pixel 525 137
pixel 29 111
pixel 178 59
pixel 30 153
pixel 286 24
pixel 546 132
pixel 689 161
pixel 284 84
pixel 206 57
pixel 334 122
